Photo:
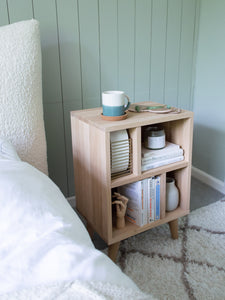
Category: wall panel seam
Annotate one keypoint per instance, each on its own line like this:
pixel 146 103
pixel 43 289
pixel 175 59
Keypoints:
pixel 150 53
pixel 194 52
pixel 179 62
pixel 117 24
pixel 135 32
pixel 165 56
pixel 81 73
pixel 32 2
pixel 99 53
pixel 7 5
pixel 63 112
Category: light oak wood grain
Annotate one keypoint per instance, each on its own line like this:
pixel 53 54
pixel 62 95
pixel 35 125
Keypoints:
pixel 92 169
pixel 174 229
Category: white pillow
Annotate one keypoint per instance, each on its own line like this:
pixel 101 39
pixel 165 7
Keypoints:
pixel 21 108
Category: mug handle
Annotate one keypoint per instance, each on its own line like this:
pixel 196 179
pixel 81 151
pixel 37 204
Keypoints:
pixel 128 103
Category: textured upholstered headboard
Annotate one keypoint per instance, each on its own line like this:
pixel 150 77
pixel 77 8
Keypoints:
pixel 21 107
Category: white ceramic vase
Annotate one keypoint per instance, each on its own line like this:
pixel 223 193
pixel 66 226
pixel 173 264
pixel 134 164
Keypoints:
pixel 172 194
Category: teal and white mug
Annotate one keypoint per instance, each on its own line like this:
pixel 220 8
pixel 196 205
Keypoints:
pixel 114 103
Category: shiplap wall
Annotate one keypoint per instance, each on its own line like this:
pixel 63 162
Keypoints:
pixel 143 47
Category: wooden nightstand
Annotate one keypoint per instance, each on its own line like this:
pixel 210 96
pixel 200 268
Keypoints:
pixel 92 169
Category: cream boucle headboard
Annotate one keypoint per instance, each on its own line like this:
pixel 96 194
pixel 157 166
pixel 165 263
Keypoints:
pixel 21 107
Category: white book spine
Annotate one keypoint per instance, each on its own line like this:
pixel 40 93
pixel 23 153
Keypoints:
pixel 145 187
pixel 152 196
pixel 157 198
pixel 142 204
pixel 149 209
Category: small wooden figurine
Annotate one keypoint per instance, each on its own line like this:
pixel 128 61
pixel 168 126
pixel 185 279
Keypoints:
pixel 121 206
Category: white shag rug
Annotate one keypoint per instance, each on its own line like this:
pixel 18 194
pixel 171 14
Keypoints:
pixel 192 267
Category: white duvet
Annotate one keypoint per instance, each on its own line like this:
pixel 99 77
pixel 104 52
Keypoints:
pixel 42 240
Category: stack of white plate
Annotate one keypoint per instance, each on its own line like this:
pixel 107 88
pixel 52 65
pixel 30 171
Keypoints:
pixel 120 151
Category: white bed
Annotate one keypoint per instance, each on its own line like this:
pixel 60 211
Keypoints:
pixel 45 250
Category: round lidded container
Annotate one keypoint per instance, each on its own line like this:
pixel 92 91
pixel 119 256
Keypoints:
pixel 154 137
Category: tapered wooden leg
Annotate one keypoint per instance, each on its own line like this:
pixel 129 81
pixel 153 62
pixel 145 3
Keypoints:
pixel 174 229
pixel 113 251
pixel 90 230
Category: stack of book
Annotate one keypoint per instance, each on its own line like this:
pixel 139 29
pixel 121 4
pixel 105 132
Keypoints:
pixel 143 204
pixel 155 158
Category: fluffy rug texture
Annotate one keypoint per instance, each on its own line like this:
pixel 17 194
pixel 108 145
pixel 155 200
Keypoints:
pixel 192 267
pixel 21 110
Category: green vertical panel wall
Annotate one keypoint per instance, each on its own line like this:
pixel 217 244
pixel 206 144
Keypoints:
pixel 90 60
pixel 20 10
pixel 126 40
pixel 54 124
pixel 108 24
pixel 158 51
pixel 69 51
pixel 69 48
pixel 4 20
pixel 45 12
pixel 142 50
pixel 172 52
pixel 143 47
pixel 209 104
pixel 186 54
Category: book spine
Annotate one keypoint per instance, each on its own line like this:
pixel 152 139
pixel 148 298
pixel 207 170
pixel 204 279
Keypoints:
pixel 133 215
pixel 157 198
pixel 149 202
pixel 152 196
pixel 142 204
pixel 144 189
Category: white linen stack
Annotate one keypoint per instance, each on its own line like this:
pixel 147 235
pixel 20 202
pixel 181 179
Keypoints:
pixel 155 158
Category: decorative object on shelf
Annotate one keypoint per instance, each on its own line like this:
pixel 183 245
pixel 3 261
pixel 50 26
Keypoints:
pixel 113 103
pixel 172 194
pixel 121 206
pixel 120 145
pixel 158 109
pixel 154 137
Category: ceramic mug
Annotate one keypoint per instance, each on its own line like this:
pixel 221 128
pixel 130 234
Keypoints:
pixel 114 103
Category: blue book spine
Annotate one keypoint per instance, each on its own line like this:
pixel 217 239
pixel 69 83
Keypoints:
pixel 157 199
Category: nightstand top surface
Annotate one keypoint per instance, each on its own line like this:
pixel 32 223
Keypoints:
pixel 93 117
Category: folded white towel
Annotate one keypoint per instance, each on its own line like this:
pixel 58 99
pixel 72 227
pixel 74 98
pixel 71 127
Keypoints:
pixel 21 108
